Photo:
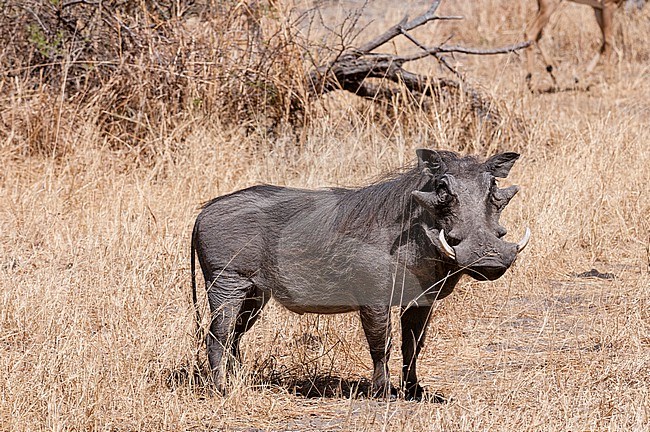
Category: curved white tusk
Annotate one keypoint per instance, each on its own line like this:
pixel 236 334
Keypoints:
pixel 448 250
pixel 524 240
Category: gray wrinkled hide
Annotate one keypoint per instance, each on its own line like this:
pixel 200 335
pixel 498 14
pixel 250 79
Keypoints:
pixel 342 250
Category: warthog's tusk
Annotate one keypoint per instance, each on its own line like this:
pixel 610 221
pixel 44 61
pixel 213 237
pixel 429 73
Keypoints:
pixel 524 240
pixel 448 250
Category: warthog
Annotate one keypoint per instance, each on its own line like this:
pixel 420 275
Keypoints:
pixel 404 241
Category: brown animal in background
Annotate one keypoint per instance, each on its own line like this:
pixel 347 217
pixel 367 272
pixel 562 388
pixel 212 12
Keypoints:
pixel 604 10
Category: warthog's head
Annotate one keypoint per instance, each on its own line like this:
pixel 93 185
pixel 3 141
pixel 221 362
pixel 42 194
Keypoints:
pixel 462 204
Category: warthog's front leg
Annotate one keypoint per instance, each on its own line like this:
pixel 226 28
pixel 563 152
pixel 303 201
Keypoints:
pixel 414 324
pixel 376 325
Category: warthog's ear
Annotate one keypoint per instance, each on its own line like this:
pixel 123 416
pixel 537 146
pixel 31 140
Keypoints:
pixel 499 165
pixel 430 162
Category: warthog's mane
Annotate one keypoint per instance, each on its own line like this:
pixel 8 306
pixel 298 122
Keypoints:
pixel 360 211
pixel 389 200
pixel 385 202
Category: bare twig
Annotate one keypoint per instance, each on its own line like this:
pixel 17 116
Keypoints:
pixel 38 19
pixel 437 56
pixel 76 2
pixel 405 25
pixel 463 50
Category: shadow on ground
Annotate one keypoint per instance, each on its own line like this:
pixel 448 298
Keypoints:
pixel 315 386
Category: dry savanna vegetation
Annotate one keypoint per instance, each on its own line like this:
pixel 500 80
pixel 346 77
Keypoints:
pixel 118 121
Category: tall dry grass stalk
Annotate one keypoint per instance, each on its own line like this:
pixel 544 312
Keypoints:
pixel 96 327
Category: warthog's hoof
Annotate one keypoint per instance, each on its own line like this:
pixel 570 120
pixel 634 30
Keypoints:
pixel 419 394
pixel 390 393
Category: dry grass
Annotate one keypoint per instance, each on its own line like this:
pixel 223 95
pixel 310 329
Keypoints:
pixel 96 327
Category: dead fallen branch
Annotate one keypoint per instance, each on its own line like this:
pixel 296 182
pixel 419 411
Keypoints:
pixel 351 70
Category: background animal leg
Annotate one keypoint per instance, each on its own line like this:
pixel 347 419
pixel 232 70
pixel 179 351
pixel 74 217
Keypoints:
pixel 226 295
pixel 534 32
pixel 414 323
pixel 376 325
pixel 548 61
pixel 605 22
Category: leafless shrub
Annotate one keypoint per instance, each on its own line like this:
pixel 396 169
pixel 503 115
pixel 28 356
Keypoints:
pixel 138 70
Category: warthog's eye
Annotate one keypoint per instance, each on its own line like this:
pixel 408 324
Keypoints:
pixel 444 195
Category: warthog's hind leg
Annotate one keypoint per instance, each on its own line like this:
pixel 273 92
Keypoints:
pixel 227 293
pixel 249 313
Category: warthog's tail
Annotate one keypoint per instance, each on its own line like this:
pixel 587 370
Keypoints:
pixel 197 313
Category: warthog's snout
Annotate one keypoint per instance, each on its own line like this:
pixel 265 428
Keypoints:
pixel 484 260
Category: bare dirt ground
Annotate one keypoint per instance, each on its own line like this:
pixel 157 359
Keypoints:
pixel 96 324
